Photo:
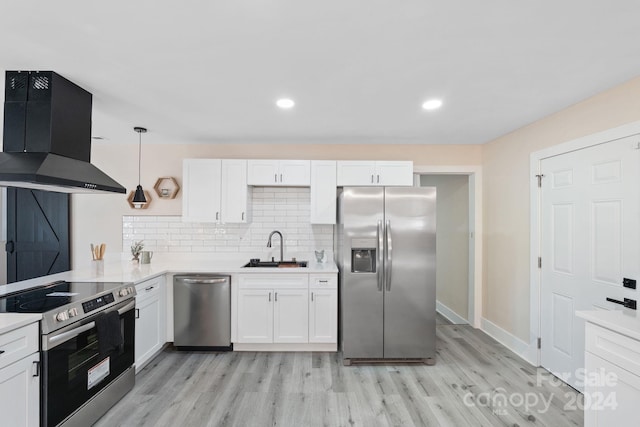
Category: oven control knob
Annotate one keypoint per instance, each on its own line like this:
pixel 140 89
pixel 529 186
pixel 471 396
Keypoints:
pixel 62 316
pixel 73 312
pixel 130 289
pixel 123 292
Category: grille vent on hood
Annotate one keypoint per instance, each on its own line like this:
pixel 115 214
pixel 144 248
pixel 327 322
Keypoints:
pixel 47 136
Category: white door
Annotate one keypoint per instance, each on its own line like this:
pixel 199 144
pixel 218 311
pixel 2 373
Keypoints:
pixel 255 316
pixel 610 403
pixel 262 172
pixel 234 192
pixel 323 192
pixel 323 316
pixel 20 392
pixel 589 243
pixel 355 172
pixel 201 190
pixel 295 173
pixel 394 173
pixel 148 321
pixel 291 316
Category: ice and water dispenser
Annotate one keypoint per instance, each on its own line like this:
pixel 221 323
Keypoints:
pixel 363 255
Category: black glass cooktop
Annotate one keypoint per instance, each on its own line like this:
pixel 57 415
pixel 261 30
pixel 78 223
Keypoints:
pixel 53 296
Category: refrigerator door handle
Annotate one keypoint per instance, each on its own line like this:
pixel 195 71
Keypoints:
pixel 388 263
pixel 380 269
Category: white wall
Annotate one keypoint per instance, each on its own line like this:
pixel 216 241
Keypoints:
pixel 452 240
pixel 506 198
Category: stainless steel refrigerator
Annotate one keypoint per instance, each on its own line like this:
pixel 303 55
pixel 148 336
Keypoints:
pixel 386 253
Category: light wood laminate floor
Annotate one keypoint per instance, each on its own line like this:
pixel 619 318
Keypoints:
pixel 475 382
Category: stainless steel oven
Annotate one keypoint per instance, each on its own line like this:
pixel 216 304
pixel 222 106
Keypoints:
pixel 75 373
pixel 87 343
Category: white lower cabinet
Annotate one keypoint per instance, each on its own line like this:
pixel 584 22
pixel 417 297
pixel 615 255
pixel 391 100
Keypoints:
pixel 20 377
pixel 273 316
pixel 290 316
pixel 323 308
pixel 150 320
pixel 323 316
pixel 612 399
pixel 612 380
pixel 287 309
pixel 255 316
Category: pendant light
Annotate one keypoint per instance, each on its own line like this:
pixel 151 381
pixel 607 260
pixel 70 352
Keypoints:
pixel 139 200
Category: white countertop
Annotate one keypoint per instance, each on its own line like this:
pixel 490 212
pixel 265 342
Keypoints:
pixel 625 321
pixel 11 321
pixel 162 263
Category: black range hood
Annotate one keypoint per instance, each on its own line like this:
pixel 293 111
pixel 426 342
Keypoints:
pixel 47 136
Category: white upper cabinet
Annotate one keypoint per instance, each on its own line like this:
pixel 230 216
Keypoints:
pixel 214 190
pixel 323 192
pixel 394 173
pixel 293 173
pixel 234 191
pixel 201 190
pixel 372 173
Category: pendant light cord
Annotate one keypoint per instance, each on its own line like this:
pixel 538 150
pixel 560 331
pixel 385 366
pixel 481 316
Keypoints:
pixel 139 154
pixel 140 131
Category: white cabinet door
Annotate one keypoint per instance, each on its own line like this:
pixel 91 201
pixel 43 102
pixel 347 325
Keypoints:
pixel 262 172
pixel 150 321
pixel 234 192
pixel 367 173
pixel 611 394
pixel 255 316
pixel 396 173
pixel 323 316
pixel 296 173
pixel 291 316
pixel 201 190
pixel 20 392
pixel 323 192
pixel 355 172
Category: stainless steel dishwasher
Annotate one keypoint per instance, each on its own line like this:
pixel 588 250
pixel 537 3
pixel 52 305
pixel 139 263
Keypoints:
pixel 202 311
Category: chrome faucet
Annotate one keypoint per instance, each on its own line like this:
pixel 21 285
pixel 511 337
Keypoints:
pixel 281 243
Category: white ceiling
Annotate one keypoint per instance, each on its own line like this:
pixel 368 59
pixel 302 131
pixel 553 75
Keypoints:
pixel 359 70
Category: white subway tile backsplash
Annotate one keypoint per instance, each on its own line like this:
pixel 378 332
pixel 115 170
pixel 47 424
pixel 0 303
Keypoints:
pixel 285 209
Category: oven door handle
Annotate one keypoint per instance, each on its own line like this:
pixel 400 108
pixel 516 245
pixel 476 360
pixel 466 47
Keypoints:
pixel 80 329
pixel 72 333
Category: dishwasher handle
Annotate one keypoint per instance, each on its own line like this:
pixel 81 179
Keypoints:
pixel 200 281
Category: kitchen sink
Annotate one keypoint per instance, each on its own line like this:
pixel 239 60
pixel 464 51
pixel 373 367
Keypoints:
pixel 276 264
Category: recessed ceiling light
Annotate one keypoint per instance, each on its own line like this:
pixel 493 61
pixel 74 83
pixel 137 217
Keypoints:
pixel 285 103
pixel 432 104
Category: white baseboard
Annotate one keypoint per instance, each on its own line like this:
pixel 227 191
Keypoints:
pixel 451 315
pixel 507 339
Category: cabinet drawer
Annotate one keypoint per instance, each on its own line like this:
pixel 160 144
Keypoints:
pixel 18 343
pixel 323 281
pixel 270 281
pixel 148 287
pixel 617 349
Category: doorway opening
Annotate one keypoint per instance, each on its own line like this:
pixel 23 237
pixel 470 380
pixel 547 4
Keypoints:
pixel 458 236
